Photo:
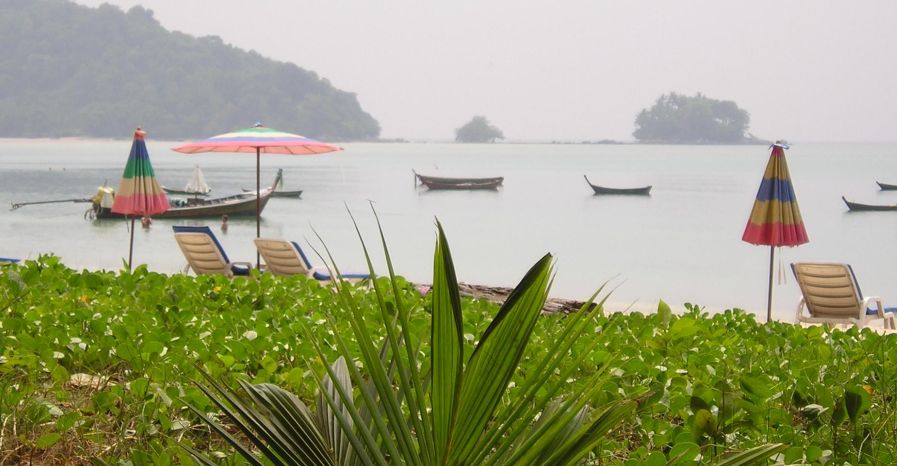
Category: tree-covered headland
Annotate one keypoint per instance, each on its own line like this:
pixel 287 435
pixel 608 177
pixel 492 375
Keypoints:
pixel 681 119
pixel 71 70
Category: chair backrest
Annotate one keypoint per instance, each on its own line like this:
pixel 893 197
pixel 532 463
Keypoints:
pixel 202 250
pixel 829 289
pixel 283 257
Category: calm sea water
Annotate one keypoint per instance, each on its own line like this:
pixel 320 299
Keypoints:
pixel 681 244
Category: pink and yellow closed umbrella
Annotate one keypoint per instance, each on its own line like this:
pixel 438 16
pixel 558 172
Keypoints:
pixel 775 219
pixel 258 140
pixel 139 194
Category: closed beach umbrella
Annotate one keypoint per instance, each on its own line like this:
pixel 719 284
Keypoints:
pixel 258 140
pixel 775 219
pixel 139 194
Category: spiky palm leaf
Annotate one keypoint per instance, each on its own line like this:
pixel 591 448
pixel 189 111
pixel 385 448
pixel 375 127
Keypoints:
pixel 455 411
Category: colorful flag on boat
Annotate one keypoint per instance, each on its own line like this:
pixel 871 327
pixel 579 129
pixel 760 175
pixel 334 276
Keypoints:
pixel 139 193
pixel 775 219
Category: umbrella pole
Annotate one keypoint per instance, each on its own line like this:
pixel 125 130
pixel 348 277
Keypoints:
pixel 772 251
pixel 131 248
pixel 258 204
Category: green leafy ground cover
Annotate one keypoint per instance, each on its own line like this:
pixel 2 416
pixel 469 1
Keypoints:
pixel 102 364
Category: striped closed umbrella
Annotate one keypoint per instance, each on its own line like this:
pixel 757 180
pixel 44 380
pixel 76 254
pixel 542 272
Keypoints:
pixel 775 218
pixel 139 194
pixel 258 140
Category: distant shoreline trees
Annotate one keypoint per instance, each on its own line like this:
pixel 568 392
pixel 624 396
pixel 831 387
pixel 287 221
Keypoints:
pixel 681 119
pixel 478 129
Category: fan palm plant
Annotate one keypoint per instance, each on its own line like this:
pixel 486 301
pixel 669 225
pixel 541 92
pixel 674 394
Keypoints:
pixel 434 405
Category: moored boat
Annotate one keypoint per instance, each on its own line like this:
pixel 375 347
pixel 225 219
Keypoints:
pixel 439 182
pixel 278 188
pixel 195 187
pixel 236 205
pixel 643 190
pixel 886 186
pixel 857 207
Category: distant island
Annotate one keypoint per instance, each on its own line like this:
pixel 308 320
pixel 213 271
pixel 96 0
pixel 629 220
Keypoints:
pixel 682 119
pixel 68 70
pixel 478 129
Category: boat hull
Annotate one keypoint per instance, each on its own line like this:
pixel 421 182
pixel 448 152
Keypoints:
pixel 181 192
pixel 641 191
pixel 438 182
pixel 290 194
pixel 886 186
pixel 857 207
pixel 238 205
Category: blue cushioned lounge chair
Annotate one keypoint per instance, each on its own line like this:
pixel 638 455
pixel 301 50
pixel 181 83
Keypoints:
pixel 287 258
pixel 832 295
pixel 204 253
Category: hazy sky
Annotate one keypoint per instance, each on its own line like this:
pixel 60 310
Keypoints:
pixel 815 70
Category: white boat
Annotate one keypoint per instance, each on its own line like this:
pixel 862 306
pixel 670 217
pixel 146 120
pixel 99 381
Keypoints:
pixel 195 187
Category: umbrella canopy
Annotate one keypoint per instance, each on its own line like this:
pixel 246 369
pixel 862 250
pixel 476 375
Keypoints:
pixel 775 218
pixel 258 140
pixel 139 194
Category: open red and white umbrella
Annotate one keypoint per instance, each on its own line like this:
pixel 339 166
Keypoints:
pixel 258 140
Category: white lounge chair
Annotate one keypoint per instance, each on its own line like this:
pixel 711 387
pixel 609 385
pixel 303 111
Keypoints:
pixel 204 253
pixel 831 295
pixel 284 258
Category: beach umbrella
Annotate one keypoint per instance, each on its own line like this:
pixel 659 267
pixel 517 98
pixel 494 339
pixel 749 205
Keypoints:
pixel 139 194
pixel 775 219
pixel 258 140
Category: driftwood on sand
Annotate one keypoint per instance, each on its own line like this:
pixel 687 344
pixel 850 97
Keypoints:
pixel 498 294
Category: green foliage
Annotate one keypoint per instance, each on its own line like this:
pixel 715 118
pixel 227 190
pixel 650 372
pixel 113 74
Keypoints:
pixel 467 416
pixel 107 359
pixel 478 129
pixel 70 70
pixel 681 119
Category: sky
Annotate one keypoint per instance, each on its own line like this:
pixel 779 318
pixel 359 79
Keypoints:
pixel 574 70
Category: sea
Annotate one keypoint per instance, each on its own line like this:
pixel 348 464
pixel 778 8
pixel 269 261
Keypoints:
pixel 682 244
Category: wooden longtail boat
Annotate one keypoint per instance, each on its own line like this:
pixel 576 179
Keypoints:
pixel 439 182
pixel 236 205
pixel 887 187
pixel 195 187
pixel 644 190
pixel 278 187
pixel 857 207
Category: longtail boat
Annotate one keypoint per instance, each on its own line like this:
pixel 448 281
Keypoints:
pixel 887 187
pixel 439 182
pixel 857 207
pixel 236 205
pixel 195 187
pixel 278 187
pixel 644 190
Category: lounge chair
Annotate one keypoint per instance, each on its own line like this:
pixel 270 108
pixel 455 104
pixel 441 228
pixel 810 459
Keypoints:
pixel 204 253
pixel 832 295
pixel 287 258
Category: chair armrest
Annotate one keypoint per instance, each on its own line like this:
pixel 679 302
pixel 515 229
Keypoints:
pixel 800 308
pixel 879 306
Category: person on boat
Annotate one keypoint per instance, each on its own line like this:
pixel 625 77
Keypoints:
pixel 224 223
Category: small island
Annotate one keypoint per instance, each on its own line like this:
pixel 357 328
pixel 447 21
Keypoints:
pixel 681 119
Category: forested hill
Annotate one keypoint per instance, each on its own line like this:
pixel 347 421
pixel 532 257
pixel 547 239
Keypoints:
pixel 71 70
